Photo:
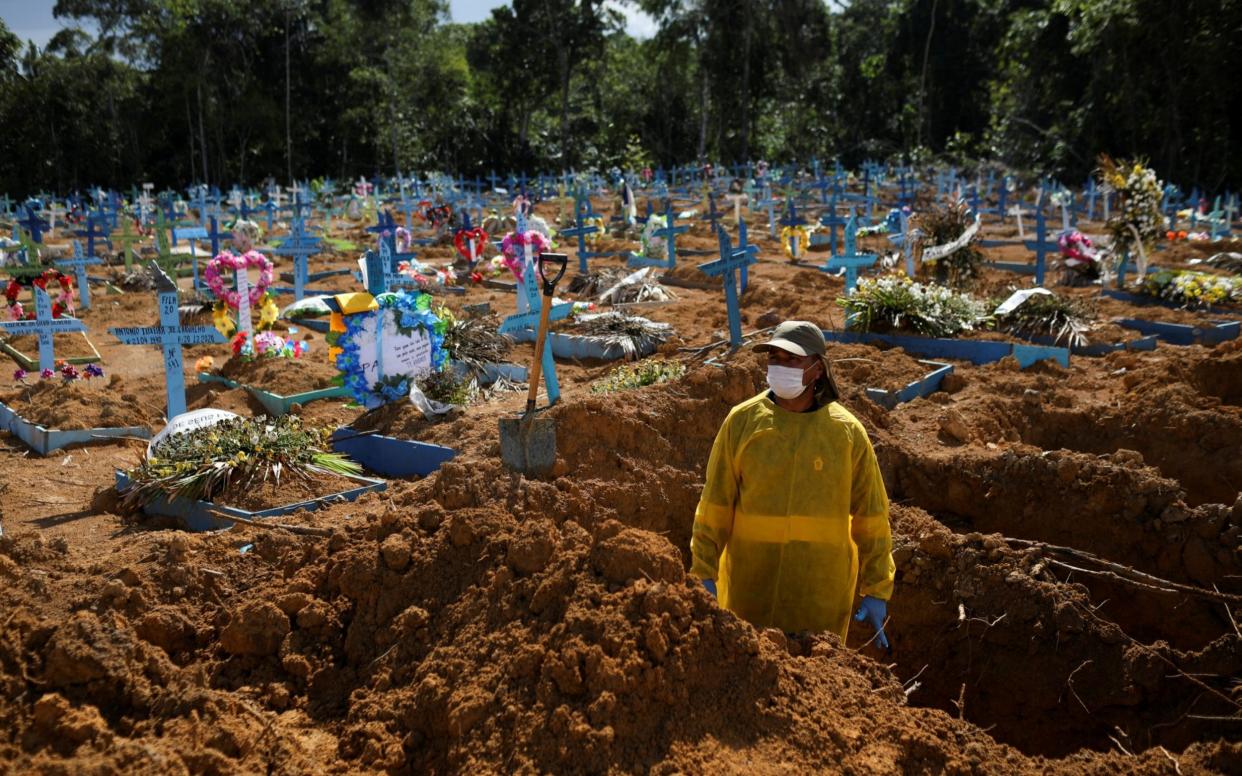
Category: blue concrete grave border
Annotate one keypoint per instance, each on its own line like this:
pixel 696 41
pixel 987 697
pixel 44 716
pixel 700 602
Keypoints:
pixel 925 386
pixel 201 516
pixel 390 456
pixel 975 351
pixel 1181 334
pixel 45 440
pixel 576 346
pixel 274 403
pixel 1096 349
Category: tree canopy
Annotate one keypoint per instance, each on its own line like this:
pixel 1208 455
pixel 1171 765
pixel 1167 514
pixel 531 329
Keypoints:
pixel 217 91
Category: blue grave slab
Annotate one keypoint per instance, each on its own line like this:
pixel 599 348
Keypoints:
pixel 390 456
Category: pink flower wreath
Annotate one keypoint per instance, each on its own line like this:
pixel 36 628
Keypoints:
pixel 513 248
pixel 214 278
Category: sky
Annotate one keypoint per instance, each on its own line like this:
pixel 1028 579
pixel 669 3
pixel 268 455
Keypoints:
pixel 33 20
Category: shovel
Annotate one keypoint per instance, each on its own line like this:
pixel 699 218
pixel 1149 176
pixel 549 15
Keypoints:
pixel 528 443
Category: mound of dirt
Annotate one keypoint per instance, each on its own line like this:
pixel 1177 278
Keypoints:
pixel 282 376
pixel 82 404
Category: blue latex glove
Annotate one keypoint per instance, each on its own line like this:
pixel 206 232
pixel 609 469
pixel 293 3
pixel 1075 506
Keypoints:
pixel 710 584
pixel 874 611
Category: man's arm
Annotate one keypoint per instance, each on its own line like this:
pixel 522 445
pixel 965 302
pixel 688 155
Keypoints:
pixel 869 525
pixel 713 519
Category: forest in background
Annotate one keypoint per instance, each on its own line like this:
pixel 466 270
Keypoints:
pixel 220 91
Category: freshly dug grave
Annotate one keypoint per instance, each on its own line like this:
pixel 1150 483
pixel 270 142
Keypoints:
pixel 290 490
pixel 282 376
pixel 860 367
pixel 81 404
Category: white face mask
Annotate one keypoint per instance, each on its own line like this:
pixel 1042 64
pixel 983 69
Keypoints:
pixel 786 381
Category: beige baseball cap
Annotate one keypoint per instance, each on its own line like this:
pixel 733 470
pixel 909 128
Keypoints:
pixel 803 338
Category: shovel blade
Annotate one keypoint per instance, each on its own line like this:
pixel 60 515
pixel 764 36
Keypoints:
pixel 528 444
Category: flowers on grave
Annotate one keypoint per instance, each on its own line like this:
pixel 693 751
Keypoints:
pixel 266 344
pixel 897 303
pixel 224 266
pixel 794 239
pixel 204 364
pixel 1172 236
pixel 1192 289
pixel 953 227
pixel 403 239
pixel 65 371
pixel 426 275
pixel 1078 253
pixel 462 239
pixel 203 463
pixel 62 303
pixel 369 359
pixel 600 229
pixel 654 245
pixel 1136 222
pixel 245 235
pixel 513 249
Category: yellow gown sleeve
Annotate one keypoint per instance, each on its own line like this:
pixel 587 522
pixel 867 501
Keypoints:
pixel 713 519
pixel 869 526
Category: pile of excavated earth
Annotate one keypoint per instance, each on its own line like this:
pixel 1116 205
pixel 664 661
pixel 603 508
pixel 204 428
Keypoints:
pixel 1067 543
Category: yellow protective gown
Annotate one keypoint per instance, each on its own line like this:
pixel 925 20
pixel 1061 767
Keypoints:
pixel 793 517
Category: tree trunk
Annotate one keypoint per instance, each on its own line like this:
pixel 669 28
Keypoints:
pixel 746 35
pixel 563 55
pixel 931 27
pixel 703 95
pixel 202 126
pixel 288 121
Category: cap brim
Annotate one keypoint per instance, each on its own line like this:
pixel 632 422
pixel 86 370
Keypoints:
pixel 782 344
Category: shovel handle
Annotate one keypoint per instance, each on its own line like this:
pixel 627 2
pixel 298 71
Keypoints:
pixel 561 261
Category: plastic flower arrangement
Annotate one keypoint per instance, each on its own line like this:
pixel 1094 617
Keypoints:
pixel 230 299
pixel 1136 222
pixel 62 303
pixel 1079 254
pixel 1193 289
pixel 267 344
pixel 653 245
pixel 513 249
pixel 65 371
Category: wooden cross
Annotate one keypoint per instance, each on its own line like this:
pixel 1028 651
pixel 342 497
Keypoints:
pixel 726 267
pixel 91 234
pixel 580 229
pixel 44 326
pixel 33 225
pixel 792 219
pixel 1041 245
pixel 128 239
pixel 170 335
pixel 79 263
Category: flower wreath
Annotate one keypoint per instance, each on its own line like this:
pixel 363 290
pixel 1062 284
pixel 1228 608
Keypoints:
pixel 462 241
pixel 413 312
pixel 231 299
pixel 799 234
pixel 653 245
pixel 513 249
pixel 62 303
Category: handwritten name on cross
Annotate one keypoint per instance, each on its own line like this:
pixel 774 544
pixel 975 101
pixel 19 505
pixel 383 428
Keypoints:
pixel 726 267
pixel 171 336
pixel 44 326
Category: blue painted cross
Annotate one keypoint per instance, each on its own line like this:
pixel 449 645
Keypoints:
pixel 300 246
pixel 669 233
pixel 171 336
pixel 79 263
pixel 831 220
pixel 381 274
pixel 44 326
pixel 33 225
pixel 850 259
pixel 1041 245
pixel 91 234
pixel 581 230
pixel 750 250
pixel 793 220
pixel 192 235
pixel 530 320
pixel 769 203
pixel 725 267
